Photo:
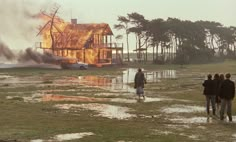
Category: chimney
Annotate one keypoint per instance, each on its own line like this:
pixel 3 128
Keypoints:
pixel 74 21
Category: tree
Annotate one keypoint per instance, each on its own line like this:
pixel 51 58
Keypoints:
pixel 139 29
pixel 124 25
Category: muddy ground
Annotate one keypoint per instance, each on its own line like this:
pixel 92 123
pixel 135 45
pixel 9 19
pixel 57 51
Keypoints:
pixel 46 104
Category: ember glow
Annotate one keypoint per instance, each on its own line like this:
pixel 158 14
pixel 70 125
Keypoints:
pixel 89 43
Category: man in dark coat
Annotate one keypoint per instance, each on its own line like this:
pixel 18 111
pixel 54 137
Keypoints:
pixel 217 91
pixel 209 92
pixel 139 82
pixel 227 93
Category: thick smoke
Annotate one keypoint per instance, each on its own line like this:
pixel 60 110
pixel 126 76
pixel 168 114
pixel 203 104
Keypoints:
pixel 6 52
pixel 27 55
pixel 18 30
pixel 31 54
pixel 19 22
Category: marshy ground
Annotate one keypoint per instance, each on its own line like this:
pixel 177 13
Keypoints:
pixel 100 105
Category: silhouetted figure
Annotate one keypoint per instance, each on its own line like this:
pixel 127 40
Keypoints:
pixel 209 92
pixel 217 91
pixel 227 94
pixel 218 99
pixel 139 82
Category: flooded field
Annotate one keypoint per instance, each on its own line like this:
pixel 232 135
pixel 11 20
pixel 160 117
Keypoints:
pixel 66 137
pixel 104 110
pixel 57 106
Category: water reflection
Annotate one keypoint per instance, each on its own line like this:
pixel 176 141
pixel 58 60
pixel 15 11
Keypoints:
pixel 103 110
pixel 120 83
pixel 65 137
pixel 192 120
pixel 73 136
pixel 50 97
pixel 183 109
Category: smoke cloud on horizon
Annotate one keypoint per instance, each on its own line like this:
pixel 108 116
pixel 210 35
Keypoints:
pixel 18 30
pixel 19 22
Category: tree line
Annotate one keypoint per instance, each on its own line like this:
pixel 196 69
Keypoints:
pixel 178 41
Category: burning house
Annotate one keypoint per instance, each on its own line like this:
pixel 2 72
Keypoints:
pixel 88 43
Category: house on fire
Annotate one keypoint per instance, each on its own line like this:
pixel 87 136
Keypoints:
pixel 88 43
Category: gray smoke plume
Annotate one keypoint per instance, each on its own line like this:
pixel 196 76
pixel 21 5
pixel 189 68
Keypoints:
pixel 6 52
pixel 18 29
pixel 31 54
pixel 19 21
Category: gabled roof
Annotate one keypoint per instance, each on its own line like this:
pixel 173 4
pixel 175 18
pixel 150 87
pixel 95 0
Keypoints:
pixel 80 34
pixel 83 32
pixel 102 28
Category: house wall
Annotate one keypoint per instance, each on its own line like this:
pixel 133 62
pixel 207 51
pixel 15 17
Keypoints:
pixel 94 55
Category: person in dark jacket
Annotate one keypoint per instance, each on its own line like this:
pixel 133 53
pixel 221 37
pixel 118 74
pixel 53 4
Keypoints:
pixel 139 82
pixel 209 92
pixel 217 91
pixel 218 100
pixel 227 94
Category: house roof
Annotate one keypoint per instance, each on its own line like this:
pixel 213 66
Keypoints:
pixel 102 28
pixel 82 33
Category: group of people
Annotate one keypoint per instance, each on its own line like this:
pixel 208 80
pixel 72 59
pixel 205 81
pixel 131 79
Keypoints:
pixel 219 92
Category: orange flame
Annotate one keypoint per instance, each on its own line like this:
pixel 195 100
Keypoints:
pixel 86 42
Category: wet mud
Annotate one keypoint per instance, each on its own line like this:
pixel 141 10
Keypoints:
pixel 182 109
pixel 102 110
pixel 65 137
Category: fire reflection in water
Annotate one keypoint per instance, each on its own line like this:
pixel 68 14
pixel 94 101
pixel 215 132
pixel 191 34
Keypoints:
pixel 120 83
pixel 49 97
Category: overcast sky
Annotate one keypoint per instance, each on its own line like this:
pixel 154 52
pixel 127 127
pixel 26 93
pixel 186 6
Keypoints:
pixel 223 11
pixel 107 11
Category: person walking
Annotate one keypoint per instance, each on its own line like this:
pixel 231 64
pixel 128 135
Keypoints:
pixel 227 93
pixel 139 82
pixel 218 100
pixel 217 91
pixel 210 94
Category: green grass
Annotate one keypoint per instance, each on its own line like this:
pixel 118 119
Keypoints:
pixel 25 121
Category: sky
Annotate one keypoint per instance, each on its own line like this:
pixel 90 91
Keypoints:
pixel 107 11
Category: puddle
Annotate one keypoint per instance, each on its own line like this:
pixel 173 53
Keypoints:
pixel 37 97
pixel 194 137
pixel 20 81
pixel 117 84
pixel 103 110
pixel 58 90
pixel 202 127
pixel 41 97
pixel 120 83
pixel 178 127
pixel 121 100
pixel 148 116
pixel 114 94
pixel 3 76
pixel 158 75
pixel 50 97
pixel 65 137
pixel 38 140
pixel 147 99
pixel 183 109
pixel 192 120
pixel 161 132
